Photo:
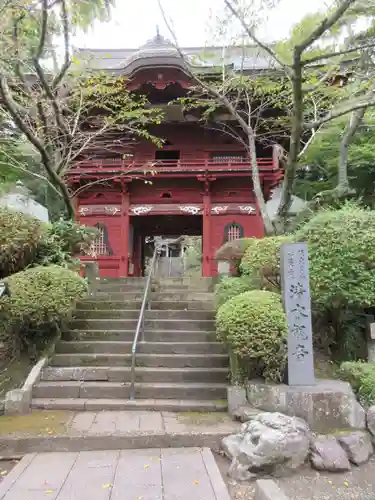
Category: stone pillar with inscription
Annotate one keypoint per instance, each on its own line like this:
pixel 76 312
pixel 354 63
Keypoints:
pixel 297 303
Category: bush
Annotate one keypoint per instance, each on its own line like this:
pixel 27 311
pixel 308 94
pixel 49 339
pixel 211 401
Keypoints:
pixel 20 236
pixel 262 261
pixel 253 325
pixel 39 297
pixel 342 257
pixel 64 240
pixel 342 273
pixel 361 376
pixel 233 251
pixel 230 287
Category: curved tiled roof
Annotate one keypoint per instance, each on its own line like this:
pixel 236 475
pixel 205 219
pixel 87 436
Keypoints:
pixel 161 52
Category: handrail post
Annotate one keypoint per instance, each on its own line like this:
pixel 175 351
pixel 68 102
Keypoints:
pixel 140 330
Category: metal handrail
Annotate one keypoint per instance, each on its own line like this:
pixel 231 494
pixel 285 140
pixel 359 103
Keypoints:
pixel 141 320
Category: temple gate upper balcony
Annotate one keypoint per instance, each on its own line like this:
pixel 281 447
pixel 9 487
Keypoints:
pixel 112 166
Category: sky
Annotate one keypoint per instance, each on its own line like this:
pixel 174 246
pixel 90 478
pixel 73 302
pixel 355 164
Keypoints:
pixel 134 22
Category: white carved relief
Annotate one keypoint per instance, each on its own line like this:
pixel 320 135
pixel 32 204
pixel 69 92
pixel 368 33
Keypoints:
pixel 220 209
pixel 190 209
pixel 84 211
pixel 112 210
pixel 248 209
pixel 141 210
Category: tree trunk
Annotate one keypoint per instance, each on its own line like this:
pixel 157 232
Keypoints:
pixel 355 120
pixel 268 226
pixel 295 139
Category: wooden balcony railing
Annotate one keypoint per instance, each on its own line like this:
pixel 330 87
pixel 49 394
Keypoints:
pixel 111 166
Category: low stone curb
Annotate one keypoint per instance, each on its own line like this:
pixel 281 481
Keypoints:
pixel 18 401
pixel 267 489
pixel 15 446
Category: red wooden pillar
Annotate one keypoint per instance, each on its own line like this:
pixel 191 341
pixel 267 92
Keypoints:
pixel 207 258
pixel 125 229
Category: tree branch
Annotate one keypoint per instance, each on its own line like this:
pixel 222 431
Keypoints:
pixel 325 25
pixel 329 55
pixel 332 115
pixel 65 22
pixel 256 40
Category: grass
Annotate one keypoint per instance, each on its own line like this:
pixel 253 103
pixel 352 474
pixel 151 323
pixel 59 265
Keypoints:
pixel 38 423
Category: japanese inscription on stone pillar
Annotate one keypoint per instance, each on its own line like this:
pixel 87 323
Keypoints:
pixel 297 303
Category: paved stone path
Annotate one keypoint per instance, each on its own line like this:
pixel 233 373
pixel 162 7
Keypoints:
pixel 154 474
pixel 119 422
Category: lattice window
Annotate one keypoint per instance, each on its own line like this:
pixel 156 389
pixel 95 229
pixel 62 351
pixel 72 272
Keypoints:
pixel 100 246
pixel 233 232
pixel 228 157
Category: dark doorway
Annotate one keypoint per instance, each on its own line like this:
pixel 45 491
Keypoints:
pixel 167 154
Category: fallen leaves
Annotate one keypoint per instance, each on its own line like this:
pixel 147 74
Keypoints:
pixel 3 473
pixel 106 486
pixel 196 481
pixel 48 492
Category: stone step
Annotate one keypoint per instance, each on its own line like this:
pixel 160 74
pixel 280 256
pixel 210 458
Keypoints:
pixel 129 287
pixel 150 314
pixel 150 336
pixel 165 296
pixel 89 304
pixel 80 404
pixel 119 390
pixel 150 324
pixel 123 374
pixel 144 360
pixel 115 347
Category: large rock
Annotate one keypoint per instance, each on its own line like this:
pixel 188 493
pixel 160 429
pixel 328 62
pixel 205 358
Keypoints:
pixel 230 445
pixel 327 454
pixel 370 420
pixel 270 443
pixel 357 445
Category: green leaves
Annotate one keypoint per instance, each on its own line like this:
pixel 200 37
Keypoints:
pixel 253 324
pixel 20 236
pixel 342 257
pixel 230 287
pixel 42 294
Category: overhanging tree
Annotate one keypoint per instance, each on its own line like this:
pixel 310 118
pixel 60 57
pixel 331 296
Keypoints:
pixel 61 113
pixel 317 56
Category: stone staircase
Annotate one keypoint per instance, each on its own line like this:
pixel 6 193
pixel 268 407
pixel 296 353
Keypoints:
pixel 180 365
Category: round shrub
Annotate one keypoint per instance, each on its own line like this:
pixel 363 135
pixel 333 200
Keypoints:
pixel 230 287
pixel 253 325
pixel 43 293
pixel 342 257
pixel 20 236
pixel 40 298
pixel 262 261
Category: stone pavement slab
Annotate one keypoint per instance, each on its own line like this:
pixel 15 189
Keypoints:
pixel 112 430
pixel 154 474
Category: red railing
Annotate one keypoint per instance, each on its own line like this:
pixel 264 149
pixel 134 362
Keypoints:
pixel 111 166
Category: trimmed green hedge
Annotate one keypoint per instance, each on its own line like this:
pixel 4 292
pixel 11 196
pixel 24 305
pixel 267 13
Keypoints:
pixel 20 236
pixel 342 257
pixel 253 325
pixel 40 298
pixel 361 376
pixel 262 261
pixel 230 287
